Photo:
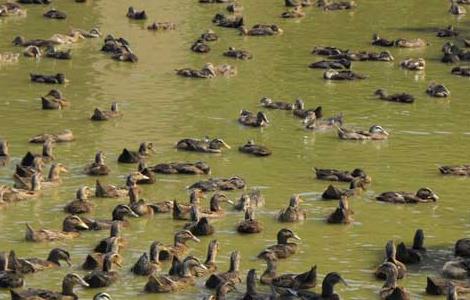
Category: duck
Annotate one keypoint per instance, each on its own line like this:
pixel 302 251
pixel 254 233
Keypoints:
pixel 253 199
pixel 340 5
pixel 60 39
pixel 120 212
pixel 413 43
pixel 456 9
pixel 390 290
pixel 249 224
pixel 257 150
pixel 261 30
pixel 412 64
pixel 54 100
pixel 148 264
pixel 205 145
pixel 34 264
pixel 238 54
pixel 461 71
pixel 58 78
pixel 9 278
pixel 60 137
pixel 376 132
pixel 125 54
pixel 284 249
pixel 4 152
pixel 131 157
pixel 379 41
pixel 423 195
pixel 248 118
pixel 106 276
pixel 228 21
pixel 69 282
pixel 300 111
pixel 200 47
pixel 457 170
pixel 113 241
pixel 21 41
pixel 293 213
pixel 101 295
pixel 95 261
pixel 89 34
pixel 81 205
pixel 156 26
pixel 297 12
pixel 11 9
pixel 197 168
pixel 222 184
pixel 51 52
pixel 332 74
pixel 173 283
pixel 215 210
pixel 327 293
pixel 342 214
pixel 209 36
pixel 55 14
pixel 390 257
pixel 14 195
pixel 340 175
pixel 32 51
pixel 71 228
pixel 414 254
pixel 232 275
pixel 105 115
pixel 311 122
pixel 397 97
pixel 183 211
pixel 450 31
pixel 139 206
pixel 302 281
pixel 269 103
pixel 251 293
pixel 357 186
pixel 179 247
pixel 437 90
pixel 207 71
pixel 97 168
pixel 136 15
pixel 199 226
pixel 109 190
pixel 340 64
pixel 114 45
pixel 364 56
pixel 441 286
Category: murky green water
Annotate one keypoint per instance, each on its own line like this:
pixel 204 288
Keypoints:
pixel 161 107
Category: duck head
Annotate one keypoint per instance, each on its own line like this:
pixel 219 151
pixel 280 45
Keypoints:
pixel 102 296
pixel 330 280
pixel 109 260
pixel 380 93
pixel 145 148
pixel 210 68
pixel 330 73
pixel 122 211
pixel 426 193
pixel 55 170
pixel 189 263
pixel 71 280
pixel 266 101
pixel 4 148
pixel 218 143
pixel 73 223
pixel 216 199
pixel 262 118
pixel 99 158
pixel 195 196
pixel 243 30
pixel 185 235
pixel 94 32
pixel 285 234
pixel 295 201
pixel 58 254
pixel 55 94
pixel 386 55
pixel 418 240
pixel 83 193
pixel 377 129
pixel 299 104
pixel 18 41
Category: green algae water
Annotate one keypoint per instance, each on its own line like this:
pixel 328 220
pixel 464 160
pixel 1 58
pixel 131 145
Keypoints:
pixel 160 107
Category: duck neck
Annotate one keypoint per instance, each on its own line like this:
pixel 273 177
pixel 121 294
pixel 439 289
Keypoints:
pixel 3 149
pixel 133 194
pixel 67 289
pixel 215 204
pixel 54 173
pixel 251 284
pixel 53 258
pixel 271 267
pixel 281 239
pixel 47 150
pixel 118 215
pixel 115 230
pixel 155 253
pixel 99 160
pixel 187 269
pixel 327 289
pixel 418 241
pixel 211 254
pixel 234 263
pixel 107 265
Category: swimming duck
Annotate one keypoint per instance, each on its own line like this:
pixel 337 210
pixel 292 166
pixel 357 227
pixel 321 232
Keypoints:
pixel 390 290
pixel 447 32
pixel 197 168
pixel 113 242
pixel 356 186
pixel 461 71
pixel 58 78
pixel 4 153
pixel 97 168
pixel 60 137
pixel 32 51
pixel 11 9
pixel 200 47
pixel 238 54
pixel 105 115
pixel 215 210
pixel 257 150
pixel 222 184
pixel 120 212
pixel 232 275
pixel 339 175
pixel 228 21
pixel 248 118
pixel 69 282
pixel 423 195
pixel 456 9
pixel 89 34
pixel 156 26
pixel 209 36
pixel 340 5
pixel 81 204
pixel 205 145
pixel 148 264
pixel 32 190
pixel 327 51
pixel 301 112
pixel 28 265
pixel 125 54
pixel 179 247
pixel 379 41
pixel 311 122
pixel 390 257
pixel 146 176
pixel 70 229
pixel 413 64
pixel 9 278
pixel 297 12
pixel 376 132
pixel 441 286
pixel 413 43
pixel 139 206
pixel 253 199
pixel 398 97
pixel 342 63
pixel 249 224
pixel 269 103
pixel 284 249
pixel 51 52
pixel 55 14
pixel 60 39
pixel 437 90
pixel 172 283
pixel 114 45
pixel 261 30
pixel 414 254
pixel 199 226
pixel 327 293
pixel 54 100
pixel 136 15
pixel 131 157
pixel 332 74
pixel 183 211
pixel 458 170
pixel 207 71
pixel 364 56
pixel 342 214
pixel 21 41
pixel 293 213
pixel 106 276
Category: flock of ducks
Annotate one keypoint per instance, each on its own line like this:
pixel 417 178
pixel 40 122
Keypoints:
pixel 185 269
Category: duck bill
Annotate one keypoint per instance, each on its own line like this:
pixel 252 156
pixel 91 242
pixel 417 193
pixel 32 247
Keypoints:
pixel 343 281
pixel 69 262
pixel 226 145
pixel 133 214
pixel 195 239
pixel 64 169
pixel 230 202
pixel 386 133
pixel 82 282
pixel 83 226
pixel 296 237
pixel 434 197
